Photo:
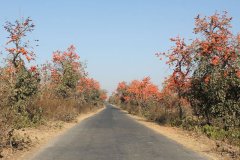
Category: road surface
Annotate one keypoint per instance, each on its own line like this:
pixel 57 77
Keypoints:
pixel 112 135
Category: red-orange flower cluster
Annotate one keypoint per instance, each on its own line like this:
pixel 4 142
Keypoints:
pixel 17 32
pixel 215 60
pixel 88 84
pixel 138 90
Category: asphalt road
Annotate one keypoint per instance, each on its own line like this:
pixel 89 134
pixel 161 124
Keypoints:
pixel 112 135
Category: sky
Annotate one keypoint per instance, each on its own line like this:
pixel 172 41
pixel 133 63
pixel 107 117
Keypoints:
pixel 117 39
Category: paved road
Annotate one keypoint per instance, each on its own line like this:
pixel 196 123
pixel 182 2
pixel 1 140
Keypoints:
pixel 112 135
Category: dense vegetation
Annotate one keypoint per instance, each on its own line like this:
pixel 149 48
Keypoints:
pixel 203 91
pixel 33 95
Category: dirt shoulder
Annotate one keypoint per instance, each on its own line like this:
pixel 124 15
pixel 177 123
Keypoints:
pixel 40 136
pixel 191 140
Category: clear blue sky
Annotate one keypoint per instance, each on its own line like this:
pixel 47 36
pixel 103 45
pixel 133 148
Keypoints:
pixel 117 38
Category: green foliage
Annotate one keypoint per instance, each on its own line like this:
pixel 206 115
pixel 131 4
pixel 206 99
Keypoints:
pixel 25 85
pixel 218 99
pixel 24 90
pixel 68 80
pixel 232 136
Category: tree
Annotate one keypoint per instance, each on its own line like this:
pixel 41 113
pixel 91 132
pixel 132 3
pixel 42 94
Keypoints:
pixel 180 59
pixel 206 71
pixel 140 94
pixel 66 71
pixel 19 48
pixel 90 90
pixel 23 81
pixel 215 82
pixel 122 93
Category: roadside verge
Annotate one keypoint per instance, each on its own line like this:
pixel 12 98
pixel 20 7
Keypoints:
pixel 190 140
pixel 40 136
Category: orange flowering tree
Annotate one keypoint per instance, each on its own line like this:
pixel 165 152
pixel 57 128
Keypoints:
pixel 122 92
pixel 206 71
pixel 216 81
pixel 142 95
pixel 91 91
pixel 18 47
pixel 23 81
pixel 70 79
pixel 143 92
pixel 180 58
pixel 66 71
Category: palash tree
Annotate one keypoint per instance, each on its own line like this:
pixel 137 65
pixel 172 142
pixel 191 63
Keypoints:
pixel 206 71
pixel 19 48
pixel 22 81
pixel 121 92
pixel 66 71
pixel 141 94
pixel 216 81
pixel 180 60
pixel 90 90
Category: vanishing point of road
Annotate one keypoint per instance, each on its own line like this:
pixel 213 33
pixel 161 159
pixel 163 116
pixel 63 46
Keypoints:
pixel 112 135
